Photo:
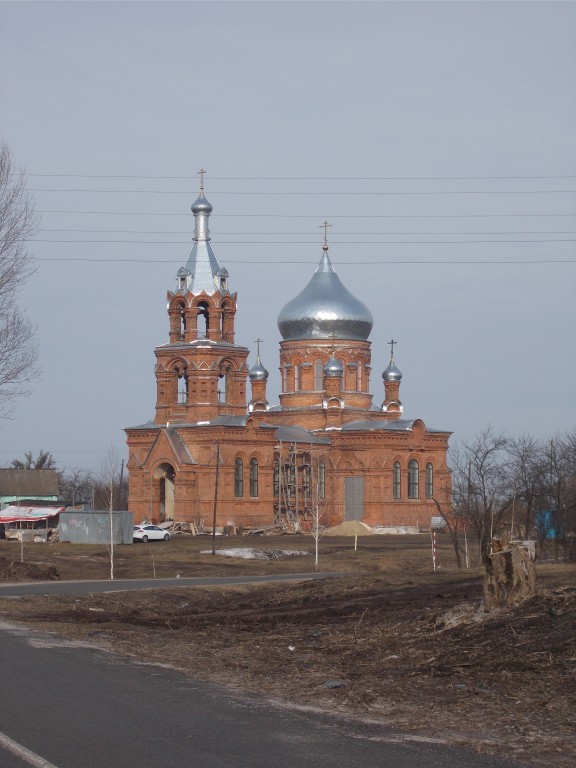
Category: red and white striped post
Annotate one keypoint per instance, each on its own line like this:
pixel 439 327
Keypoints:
pixel 433 536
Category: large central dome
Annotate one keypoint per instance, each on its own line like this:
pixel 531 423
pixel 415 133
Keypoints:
pixel 325 309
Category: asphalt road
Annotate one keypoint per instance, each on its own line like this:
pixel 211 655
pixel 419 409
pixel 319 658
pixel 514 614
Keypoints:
pixel 123 585
pixel 68 706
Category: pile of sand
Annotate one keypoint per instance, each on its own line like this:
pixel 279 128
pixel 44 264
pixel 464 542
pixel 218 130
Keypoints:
pixel 350 528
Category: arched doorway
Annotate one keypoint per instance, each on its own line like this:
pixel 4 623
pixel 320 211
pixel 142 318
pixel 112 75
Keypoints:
pixel 164 482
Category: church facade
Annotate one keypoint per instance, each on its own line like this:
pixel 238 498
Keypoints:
pixel 216 448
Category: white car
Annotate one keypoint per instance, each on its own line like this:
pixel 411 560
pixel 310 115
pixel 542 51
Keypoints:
pixel 145 532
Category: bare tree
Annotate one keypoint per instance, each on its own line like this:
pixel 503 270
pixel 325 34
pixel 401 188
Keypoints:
pixel 527 474
pixel 560 488
pixel 111 480
pixel 75 485
pixel 454 524
pixel 481 485
pixel 18 221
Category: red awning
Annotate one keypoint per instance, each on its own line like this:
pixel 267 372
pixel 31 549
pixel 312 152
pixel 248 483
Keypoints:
pixel 15 514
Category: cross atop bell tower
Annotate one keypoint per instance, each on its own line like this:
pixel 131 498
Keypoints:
pixel 201 373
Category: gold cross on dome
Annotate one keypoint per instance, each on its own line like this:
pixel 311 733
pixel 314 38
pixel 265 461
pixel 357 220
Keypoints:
pixel 325 228
pixel 201 173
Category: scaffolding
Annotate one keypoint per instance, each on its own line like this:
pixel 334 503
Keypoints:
pixel 295 480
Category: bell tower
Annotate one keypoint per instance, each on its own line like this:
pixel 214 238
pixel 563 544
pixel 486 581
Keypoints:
pixel 200 373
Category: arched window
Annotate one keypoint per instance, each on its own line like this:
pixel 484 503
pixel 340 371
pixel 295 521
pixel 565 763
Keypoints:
pixel 285 377
pixel 321 480
pixel 306 480
pixel 429 481
pixel 202 321
pixel 238 477
pixel 297 377
pixel 359 376
pixel 276 479
pixel 182 314
pixel 182 375
pixel 413 480
pixel 318 375
pixel 396 481
pixel 253 477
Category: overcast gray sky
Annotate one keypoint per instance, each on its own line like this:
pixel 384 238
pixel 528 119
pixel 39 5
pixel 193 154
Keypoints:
pixel 438 139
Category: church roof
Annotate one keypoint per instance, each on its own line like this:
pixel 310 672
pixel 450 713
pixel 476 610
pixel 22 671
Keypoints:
pixel 178 446
pixel 202 264
pixel 292 434
pixel 325 309
pixel 391 425
pixel 286 434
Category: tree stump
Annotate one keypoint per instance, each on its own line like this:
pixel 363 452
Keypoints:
pixel 510 576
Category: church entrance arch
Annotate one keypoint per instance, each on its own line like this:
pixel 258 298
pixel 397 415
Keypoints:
pixel 164 489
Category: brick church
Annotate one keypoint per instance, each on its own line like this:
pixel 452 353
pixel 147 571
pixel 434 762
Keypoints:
pixel 217 446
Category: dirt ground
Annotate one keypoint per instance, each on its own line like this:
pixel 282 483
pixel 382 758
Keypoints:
pixel 390 641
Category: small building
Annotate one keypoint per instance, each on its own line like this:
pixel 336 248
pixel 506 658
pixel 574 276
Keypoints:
pixel 28 485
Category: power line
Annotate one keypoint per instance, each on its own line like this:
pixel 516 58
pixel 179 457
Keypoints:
pixel 291 178
pixel 313 262
pixel 320 216
pixel 307 192
pixel 301 242
pixel 292 234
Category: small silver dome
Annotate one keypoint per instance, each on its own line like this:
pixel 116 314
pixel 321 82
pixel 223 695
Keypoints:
pixel 325 309
pixel 333 368
pixel 392 373
pixel 201 205
pixel 258 372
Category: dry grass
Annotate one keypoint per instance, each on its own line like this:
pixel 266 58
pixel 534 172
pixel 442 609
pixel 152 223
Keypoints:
pixel 392 640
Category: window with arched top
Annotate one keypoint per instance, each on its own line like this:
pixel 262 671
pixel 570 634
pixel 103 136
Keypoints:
pixel 297 377
pixel 306 480
pixel 285 378
pixel 396 481
pixel 321 480
pixel 429 481
pixel 179 309
pixel 202 320
pixel 318 375
pixel 182 384
pixel 359 376
pixel 253 477
pixel 413 480
pixel 238 477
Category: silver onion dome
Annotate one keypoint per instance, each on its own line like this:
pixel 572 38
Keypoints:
pixel 392 373
pixel 201 205
pixel 203 272
pixel 325 309
pixel 333 368
pixel 258 372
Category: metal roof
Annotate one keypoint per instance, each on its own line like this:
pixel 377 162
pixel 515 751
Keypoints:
pixel 291 434
pixel 202 264
pixel 390 425
pixel 28 482
pixel 325 309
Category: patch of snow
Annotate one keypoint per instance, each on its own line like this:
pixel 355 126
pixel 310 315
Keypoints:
pixel 257 554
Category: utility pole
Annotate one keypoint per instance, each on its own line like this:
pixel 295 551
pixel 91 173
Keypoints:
pixel 215 497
